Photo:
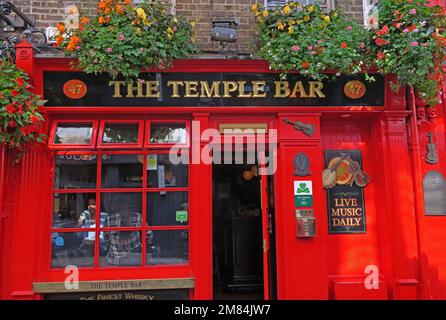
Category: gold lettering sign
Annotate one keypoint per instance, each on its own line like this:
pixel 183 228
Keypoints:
pixel 218 89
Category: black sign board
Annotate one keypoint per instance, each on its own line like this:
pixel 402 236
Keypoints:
pixel 145 295
pixel 346 210
pixel 210 90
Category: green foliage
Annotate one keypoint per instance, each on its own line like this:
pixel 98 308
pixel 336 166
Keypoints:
pixel 303 38
pixel 410 43
pixel 123 39
pixel 20 116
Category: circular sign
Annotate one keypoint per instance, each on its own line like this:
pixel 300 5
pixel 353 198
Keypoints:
pixel 354 89
pixel 75 89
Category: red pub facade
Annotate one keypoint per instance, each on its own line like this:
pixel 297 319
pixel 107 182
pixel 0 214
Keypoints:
pixel 381 238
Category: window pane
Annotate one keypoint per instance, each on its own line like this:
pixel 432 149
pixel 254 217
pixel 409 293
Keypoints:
pixel 73 133
pixel 168 133
pixel 121 209
pixel 73 210
pixel 161 173
pixel 120 133
pixel 167 247
pixel 122 171
pixel 69 248
pixel 167 208
pixel 123 248
pixel 75 171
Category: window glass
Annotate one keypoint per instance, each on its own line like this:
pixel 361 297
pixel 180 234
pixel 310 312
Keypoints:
pixel 73 210
pixel 121 209
pixel 121 248
pixel 72 248
pixel 122 171
pixel 161 173
pixel 120 133
pixel 167 208
pixel 75 171
pixel 73 133
pixel 168 133
pixel 167 247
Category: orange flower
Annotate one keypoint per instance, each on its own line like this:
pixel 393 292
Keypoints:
pixel 101 20
pixel 119 9
pixel 344 45
pixel 128 2
pixel 75 40
pixel 85 20
pixel 59 39
pixel 107 10
pixel 60 27
pixel 102 5
pixel 305 64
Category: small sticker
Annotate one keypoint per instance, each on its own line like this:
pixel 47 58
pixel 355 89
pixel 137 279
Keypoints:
pixel 60 242
pixel 303 193
pixel 152 162
pixel 181 216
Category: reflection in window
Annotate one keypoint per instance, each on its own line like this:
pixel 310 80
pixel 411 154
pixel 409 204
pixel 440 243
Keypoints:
pixel 73 210
pixel 122 209
pixel 167 247
pixel 123 249
pixel 161 173
pixel 168 133
pixel 75 171
pixel 167 208
pixel 120 133
pixel 122 171
pixel 73 133
pixel 69 248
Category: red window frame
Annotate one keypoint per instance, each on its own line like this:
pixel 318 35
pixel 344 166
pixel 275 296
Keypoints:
pixel 98 190
pixel 117 145
pixel 64 146
pixel 149 144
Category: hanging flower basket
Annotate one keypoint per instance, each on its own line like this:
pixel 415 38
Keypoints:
pixel 124 39
pixel 21 117
pixel 305 39
pixel 410 43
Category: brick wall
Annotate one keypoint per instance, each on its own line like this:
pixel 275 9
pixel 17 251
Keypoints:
pixel 203 12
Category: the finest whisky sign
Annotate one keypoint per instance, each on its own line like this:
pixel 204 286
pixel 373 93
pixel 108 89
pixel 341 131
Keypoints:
pixel 210 90
pixel 345 198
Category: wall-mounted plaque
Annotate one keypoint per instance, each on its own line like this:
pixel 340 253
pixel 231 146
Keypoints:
pixel 434 187
pixel 346 210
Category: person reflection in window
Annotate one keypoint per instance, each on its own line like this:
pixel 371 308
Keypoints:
pixel 87 220
pixel 88 213
pixel 122 243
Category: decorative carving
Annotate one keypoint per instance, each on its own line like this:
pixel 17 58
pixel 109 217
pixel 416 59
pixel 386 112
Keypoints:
pixel 432 154
pixel 302 165
pixel 306 128
pixel 23 54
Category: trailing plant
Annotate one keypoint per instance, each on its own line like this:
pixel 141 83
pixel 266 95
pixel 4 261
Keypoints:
pixel 304 38
pixel 21 116
pixel 410 43
pixel 125 38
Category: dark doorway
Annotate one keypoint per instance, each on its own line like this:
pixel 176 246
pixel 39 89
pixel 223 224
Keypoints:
pixel 237 232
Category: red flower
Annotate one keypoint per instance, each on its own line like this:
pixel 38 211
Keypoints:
pixel 14 93
pixel 10 109
pixel 12 124
pixel 19 81
pixel 380 42
pixel 344 45
pixel 34 119
pixel 383 31
pixel 305 64
pixel 381 55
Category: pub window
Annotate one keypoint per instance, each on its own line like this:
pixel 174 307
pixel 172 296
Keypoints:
pixel 167 133
pixel 120 208
pixel 326 5
pixel 121 134
pixel 71 134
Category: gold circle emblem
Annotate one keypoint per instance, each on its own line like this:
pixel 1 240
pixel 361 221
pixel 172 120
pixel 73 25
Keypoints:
pixel 354 89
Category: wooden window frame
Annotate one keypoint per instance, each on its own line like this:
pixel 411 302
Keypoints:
pixel 117 145
pixel 63 146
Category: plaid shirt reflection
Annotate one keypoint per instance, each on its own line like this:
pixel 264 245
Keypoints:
pixel 122 243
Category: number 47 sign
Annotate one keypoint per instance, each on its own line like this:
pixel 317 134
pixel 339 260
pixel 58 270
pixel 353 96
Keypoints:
pixel 75 89
pixel 303 193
